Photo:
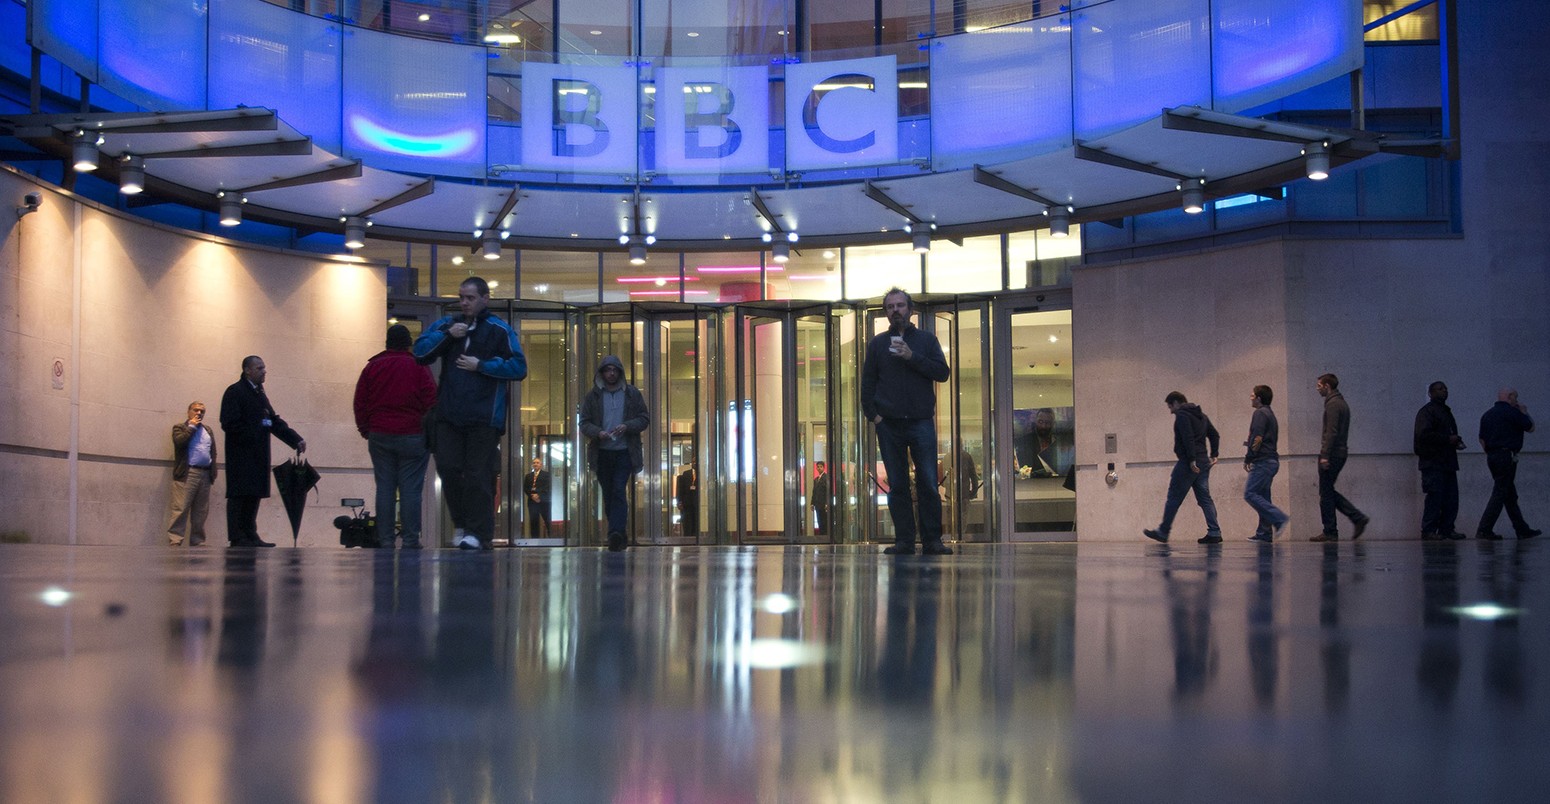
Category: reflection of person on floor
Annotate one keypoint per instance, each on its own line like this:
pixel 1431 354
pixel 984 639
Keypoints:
pixel 821 497
pixel 1189 618
pixel 688 496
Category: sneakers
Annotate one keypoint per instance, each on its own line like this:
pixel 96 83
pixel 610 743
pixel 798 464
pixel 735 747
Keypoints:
pixel 1155 535
pixel 1361 525
pixel 467 541
pixel 616 542
pixel 936 549
pixel 1278 529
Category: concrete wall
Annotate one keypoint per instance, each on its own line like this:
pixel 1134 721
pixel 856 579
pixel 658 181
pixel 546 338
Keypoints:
pixel 1387 316
pixel 141 320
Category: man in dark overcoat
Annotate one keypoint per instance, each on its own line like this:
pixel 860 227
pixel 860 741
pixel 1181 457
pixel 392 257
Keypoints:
pixel 248 420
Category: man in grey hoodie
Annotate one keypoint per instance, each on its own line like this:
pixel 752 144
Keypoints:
pixel 613 415
pixel 1191 430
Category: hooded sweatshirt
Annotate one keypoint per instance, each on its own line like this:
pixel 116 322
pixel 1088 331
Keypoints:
pixel 604 408
pixel 1191 430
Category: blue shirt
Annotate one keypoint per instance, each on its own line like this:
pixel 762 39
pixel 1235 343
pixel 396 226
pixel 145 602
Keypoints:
pixel 1503 426
pixel 199 448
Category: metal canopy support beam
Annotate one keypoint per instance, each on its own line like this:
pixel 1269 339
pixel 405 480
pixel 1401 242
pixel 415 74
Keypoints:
pixel 39 125
pixel 1102 157
pixel 764 211
pixel 1202 121
pixel 301 147
pixel 985 177
pixel 418 191
pixel 506 207
pixel 351 170
pixel 876 194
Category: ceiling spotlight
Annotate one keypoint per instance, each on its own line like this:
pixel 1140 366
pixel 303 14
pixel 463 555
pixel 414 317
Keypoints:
pixel 131 175
pixel 624 240
pixel 1194 195
pixel 922 241
pixel 84 151
pixel 490 244
pixel 1317 161
pixel 354 232
pixel 651 240
pixel 638 254
pixel 766 237
pixel 1059 221
pixel 791 237
pixel 457 259
pixel 231 208
pixel 781 251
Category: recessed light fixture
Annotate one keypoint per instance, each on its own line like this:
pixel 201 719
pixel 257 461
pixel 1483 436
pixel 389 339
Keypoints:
pixel 425 17
pixel 595 33
pixel 693 34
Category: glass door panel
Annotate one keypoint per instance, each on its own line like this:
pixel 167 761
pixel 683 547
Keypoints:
pixel 1043 425
pixel 542 428
pixel 758 442
pixel 963 470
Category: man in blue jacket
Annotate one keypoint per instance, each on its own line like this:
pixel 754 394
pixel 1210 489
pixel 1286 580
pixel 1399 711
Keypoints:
pixel 1191 430
pixel 898 395
pixel 479 355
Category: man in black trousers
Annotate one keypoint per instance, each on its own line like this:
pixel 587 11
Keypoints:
pixel 1437 443
pixel 536 489
pixel 248 420
pixel 1501 435
pixel 1332 457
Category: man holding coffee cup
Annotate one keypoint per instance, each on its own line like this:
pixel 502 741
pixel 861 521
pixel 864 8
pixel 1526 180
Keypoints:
pixel 899 398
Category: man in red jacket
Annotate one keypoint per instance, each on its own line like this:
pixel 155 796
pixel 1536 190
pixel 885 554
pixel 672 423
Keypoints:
pixel 391 399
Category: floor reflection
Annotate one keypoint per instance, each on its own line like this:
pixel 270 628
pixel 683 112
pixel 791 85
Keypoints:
pixel 1005 673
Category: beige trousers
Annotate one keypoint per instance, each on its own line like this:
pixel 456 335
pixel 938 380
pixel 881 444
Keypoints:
pixel 189 506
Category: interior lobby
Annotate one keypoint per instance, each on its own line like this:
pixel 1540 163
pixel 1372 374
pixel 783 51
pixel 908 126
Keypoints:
pixel 1092 204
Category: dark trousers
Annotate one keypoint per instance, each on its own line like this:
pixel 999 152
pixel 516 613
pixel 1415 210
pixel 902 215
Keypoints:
pixel 900 441
pixel 398 467
pixel 689 517
pixel 1330 500
pixel 1440 508
pixel 822 528
pixel 1504 494
pixel 1256 492
pixel 613 479
pixel 1179 484
pixel 242 519
pixel 466 461
pixel 537 519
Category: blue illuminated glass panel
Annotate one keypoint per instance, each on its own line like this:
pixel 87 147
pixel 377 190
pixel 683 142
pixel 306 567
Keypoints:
pixel 67 30
pixel 414 105
pixel 1134 59
pixel 152 52
pixel 1267 49
pixel 1000 94
pixel 264 55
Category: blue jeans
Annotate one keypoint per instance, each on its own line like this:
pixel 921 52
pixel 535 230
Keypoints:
pixel 613 479
pixel 398 463
pixel 1179 484
pixel 900 441
pixel 1256 492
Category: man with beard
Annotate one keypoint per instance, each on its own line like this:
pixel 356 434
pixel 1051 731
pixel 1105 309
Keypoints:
pixel 898 396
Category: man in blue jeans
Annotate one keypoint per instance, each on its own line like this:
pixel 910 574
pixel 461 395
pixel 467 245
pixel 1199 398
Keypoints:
pixel 898 396
pixel 391 398
pixel 1262 462
pixel 1191 431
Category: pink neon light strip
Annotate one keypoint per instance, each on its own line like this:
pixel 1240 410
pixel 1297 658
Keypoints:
pixel 668 293
pixel 667 279
pixel 735 269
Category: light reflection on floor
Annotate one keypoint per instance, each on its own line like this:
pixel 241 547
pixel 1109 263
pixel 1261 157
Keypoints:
pixel 1106 672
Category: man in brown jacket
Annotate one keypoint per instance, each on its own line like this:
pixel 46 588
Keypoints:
pixel 193 472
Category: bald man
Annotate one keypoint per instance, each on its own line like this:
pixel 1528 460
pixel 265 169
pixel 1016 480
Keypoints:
pixel 1501 436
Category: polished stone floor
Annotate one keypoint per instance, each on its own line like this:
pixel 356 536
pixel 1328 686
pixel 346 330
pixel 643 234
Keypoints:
pixel 1383 671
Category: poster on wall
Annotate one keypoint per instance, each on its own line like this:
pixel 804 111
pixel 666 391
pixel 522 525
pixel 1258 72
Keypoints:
pixel 1044 440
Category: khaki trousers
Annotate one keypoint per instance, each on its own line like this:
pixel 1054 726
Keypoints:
pixel 189 506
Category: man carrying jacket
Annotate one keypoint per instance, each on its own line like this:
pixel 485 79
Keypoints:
pixel 479 356
pixel 391 398
pixel 1191 430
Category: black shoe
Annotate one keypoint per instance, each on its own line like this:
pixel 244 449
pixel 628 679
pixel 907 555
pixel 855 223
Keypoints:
pixel 1361 525
pixel 1209 539
pixel 1430 536
pixel 1455 536
pixel 616 542
pixel 1261 537
pixel 900 550
pixel 936 549
pixel 1155 535
pixel 1490 536
pixel 1326 537
pixel 1529 534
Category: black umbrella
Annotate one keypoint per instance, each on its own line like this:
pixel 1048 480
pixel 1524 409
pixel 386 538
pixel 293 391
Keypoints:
pixel 294 479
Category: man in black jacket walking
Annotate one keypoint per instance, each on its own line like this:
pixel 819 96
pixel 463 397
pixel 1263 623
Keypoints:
pixel 1501 436
pixel 1437 443
pixel 1191 431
